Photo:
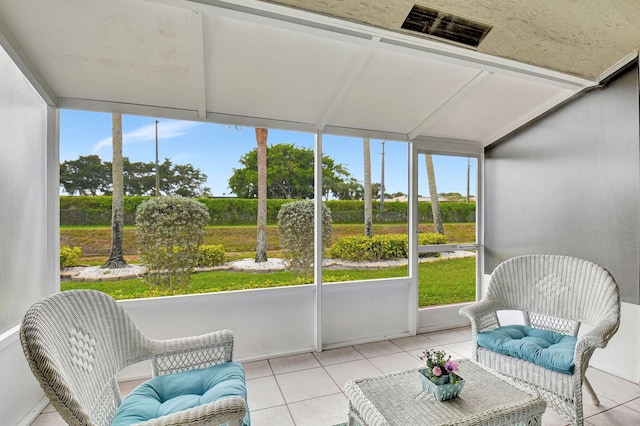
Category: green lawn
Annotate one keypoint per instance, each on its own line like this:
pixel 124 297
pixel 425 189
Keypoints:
pixel 440 282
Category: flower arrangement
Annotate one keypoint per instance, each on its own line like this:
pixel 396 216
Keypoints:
pixel 439 365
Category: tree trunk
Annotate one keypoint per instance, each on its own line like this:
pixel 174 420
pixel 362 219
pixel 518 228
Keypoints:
pixel 261 243
pixel 433 193
pixel 116 257
pixel 368 215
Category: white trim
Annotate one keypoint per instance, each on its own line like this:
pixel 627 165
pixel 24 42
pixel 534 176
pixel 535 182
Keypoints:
pixel 633 56
pixel 52 203
pixel 480 227
pixel 199 64
pixel 317 238
pixel 413 237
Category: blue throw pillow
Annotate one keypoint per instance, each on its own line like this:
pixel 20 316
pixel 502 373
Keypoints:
pixel 541 347
pixel 170 393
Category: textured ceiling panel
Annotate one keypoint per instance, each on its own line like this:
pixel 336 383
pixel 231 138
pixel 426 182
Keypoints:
pixel 582 38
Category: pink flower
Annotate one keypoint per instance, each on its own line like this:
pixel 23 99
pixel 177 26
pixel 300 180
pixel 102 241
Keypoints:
pixel 451 366
pixel 437 371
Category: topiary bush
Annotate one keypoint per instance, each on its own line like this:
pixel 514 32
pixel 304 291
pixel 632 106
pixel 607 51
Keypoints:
pixel 295 230
pixel 70 256
pixel 211 255
pixel 169 231
pixel 379 247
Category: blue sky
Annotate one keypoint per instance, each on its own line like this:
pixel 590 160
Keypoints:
pixel 215 150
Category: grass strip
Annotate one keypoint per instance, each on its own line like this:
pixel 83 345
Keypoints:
pixel 439 283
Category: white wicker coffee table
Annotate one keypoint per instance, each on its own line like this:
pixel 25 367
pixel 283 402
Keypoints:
pixel 398 399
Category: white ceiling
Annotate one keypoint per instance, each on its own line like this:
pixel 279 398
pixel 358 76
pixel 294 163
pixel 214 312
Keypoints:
pixel 260 64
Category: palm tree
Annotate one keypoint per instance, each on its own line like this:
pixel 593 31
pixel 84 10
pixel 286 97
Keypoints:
pixel 368 220
pixel 261 243
pixel 433 193
pixel 116 257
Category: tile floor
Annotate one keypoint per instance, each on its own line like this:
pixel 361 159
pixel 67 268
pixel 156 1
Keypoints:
pixel 307 389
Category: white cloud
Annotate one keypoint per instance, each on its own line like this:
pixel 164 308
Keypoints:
pixel 166 130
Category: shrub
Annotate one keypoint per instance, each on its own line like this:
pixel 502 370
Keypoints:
pixel 295 229
pixel 211 255
pixel 169 231
pixel 430 238
pixel 379 247
pixel 70 256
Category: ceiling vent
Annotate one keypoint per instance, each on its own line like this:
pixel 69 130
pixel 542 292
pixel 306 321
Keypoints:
pixel 445 26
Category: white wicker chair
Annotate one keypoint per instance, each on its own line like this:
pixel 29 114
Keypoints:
pixel 76 342
pixel 556 293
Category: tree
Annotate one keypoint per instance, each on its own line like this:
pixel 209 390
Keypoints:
pixel 138 177
pixel 433 193
pixel 116 257
pixel 90 176
pixel 452 196
pixel 289 173
pixel 184 180
pixel 349 190
pixel 368 210
pixel 261 158
pixel 85 176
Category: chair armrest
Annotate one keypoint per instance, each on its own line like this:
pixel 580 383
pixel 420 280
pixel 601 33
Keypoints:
pixel 482 314
pixel 598 337
pixel 229 410
pixel 186 353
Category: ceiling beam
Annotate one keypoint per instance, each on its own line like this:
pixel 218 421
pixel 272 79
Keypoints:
pixel 345 82
pixel 448 104
pixel 199 65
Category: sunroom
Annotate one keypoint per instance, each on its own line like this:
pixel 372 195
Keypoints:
pixel 545 100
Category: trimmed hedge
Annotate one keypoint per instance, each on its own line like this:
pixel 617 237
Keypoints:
pixel 96 211
pixel 379 247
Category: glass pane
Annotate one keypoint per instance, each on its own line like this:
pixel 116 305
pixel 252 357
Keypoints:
pixel 369 236
pixel 216 164
pixel 447 215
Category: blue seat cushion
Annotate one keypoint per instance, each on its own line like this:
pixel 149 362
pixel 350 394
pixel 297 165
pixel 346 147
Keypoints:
pixel 170 393
pixel 542 347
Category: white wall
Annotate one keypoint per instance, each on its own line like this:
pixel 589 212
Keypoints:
pixel 360 312
pixel 28 231
pixel 621 355
pixel 278 321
